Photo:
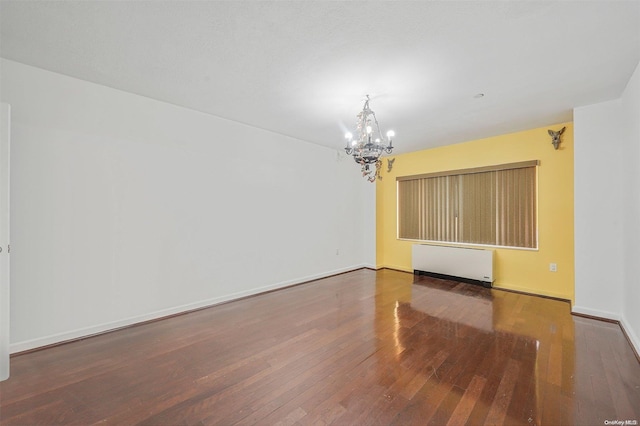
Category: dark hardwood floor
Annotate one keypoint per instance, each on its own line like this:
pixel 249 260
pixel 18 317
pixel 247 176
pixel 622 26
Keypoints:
pixel 360 348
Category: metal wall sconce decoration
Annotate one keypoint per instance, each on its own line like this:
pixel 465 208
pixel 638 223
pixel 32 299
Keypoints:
pixel 555 137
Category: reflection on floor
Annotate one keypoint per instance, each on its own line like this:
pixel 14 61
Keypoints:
pixel 364 347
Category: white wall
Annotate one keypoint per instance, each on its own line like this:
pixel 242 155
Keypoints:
pixel 5 153
pixel 607 208
pixel 630 104
pixel 125 208
pixel 598 223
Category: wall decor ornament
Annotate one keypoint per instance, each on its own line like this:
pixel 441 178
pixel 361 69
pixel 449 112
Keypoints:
pixel 555 137
pixel 369 143
pixel 390 162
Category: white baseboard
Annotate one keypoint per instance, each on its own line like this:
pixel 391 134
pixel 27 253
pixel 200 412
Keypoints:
pixel 101 328
pixel 595 313
pixel 631 334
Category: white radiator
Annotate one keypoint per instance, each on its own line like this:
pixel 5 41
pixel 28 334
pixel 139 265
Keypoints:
pixel 473 264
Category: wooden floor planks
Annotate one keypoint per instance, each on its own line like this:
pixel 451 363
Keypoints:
pixel 362 348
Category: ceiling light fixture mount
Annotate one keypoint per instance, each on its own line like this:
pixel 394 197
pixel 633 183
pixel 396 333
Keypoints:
pixel 369 144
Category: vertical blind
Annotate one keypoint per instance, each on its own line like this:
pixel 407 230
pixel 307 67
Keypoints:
pixel 493 205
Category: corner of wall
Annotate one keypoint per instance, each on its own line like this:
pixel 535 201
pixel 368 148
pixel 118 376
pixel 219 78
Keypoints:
pixel 631 334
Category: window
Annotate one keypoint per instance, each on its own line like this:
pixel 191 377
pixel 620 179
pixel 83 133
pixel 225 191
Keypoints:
pixel 493 205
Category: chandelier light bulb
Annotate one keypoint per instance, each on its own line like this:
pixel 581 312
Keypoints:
pixel 391 134
pixel 348 136
pixel 369 129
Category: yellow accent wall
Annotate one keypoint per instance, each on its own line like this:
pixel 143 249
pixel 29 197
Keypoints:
pixel 514 269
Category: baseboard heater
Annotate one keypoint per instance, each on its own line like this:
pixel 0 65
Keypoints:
pixel 462 264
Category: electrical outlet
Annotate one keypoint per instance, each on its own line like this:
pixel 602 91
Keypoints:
pixel 553 267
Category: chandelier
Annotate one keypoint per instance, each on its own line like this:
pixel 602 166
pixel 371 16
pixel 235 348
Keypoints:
pixel 369 143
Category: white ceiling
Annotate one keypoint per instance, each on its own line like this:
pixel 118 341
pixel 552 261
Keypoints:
pixel 302 68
